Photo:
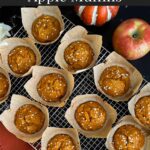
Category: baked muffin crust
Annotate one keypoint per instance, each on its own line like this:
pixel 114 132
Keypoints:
pixel 52 87
pixel 78 55
pixel 128 137
pixel 115 81
pixel 21 59
pixel 46 28
pixel 29 119
pixel 61 142
pixel 142 110
pixel 90 116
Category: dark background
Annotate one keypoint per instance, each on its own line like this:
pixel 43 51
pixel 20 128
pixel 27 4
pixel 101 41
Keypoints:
pixel 10 16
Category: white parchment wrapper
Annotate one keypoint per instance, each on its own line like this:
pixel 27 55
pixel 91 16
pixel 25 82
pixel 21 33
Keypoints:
pixel 9 44
pixel 8 116
pixel 3 71
pixel 29 14
pixel 50 132
pixel 110 117
pixel 126 120
pixel 38 73
pixel 115 59
pixel 78 33
pixel 145 91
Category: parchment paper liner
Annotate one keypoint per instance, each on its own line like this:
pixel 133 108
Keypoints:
pixel 29 14
pixel 111 115
pixel 38 73
pixel 135 76
pixel 145 91
pixel 3 71
pixel 8 116
pixel 126 120
pixel 9 44
pixel 75 34
pixel 50 132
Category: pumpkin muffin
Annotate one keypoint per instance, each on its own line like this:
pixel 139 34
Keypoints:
pixel 21 59
pixel 142 110
pixel 90 116
pixel 52 87
pixel 78 55
pixel 29 119
pixel 4 86
pixel 115 81
pixel 46 28
pixel 128 137
pixel 61 142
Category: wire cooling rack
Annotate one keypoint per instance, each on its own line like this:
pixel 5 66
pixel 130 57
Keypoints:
pixel 84 84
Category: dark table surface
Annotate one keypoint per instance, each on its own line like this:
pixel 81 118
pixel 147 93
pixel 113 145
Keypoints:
pixel 8 14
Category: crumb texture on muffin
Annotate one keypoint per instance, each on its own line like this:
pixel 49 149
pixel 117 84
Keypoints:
pixel 61 142
pixel 78 55
pixel 52 87
pixel 115 81
pixel 128 137
pixel 29 119
pixel 142 110
pixel 21 59
pixel 46 28
pixel 90 116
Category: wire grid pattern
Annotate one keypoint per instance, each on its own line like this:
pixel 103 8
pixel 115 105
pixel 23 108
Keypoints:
pixel 84 84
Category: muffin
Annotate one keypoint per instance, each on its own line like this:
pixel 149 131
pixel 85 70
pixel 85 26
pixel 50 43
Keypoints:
pixel 60 138
pixel 61 141
pixel 43 24
pixel 52 87
pixel 128 137
pixel 19 55
pixel 21 59
pixel 78 50
pixel 78 55
pixel 116 78
pixel 142 110
pixel 115 81
pixel 90 116
pixel 26 119
pixel 127 134
pixel 46 28
pixel 29 119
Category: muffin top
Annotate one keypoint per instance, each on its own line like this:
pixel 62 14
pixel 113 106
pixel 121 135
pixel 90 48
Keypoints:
pixel 52 87
pixel 128 137
pixel 61 142
pixel 21 59
pixel 4 86
pixel 78 55
pixel 46 28
pixel 90 116
pixel 142 110
pixel 115 81
pixel 29 119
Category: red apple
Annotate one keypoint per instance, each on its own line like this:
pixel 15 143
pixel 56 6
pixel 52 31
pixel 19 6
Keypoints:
pixel 131 39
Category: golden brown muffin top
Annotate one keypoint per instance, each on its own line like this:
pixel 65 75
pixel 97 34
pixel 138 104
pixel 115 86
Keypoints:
pixel 78 55
pixel 46 28
pixel 115 81
pixel 142 110
pixel 29 119
pixel 52 87
pixel 61 142
pixel 4 86
pixel 90 116
pixel 21 59
pixel 128 137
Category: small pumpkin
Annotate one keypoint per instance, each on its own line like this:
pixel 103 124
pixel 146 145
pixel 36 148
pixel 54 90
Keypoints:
pixel 96 15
